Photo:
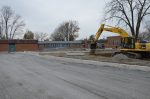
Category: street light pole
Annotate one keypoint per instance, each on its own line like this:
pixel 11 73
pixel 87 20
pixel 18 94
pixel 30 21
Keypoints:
pixel 68 36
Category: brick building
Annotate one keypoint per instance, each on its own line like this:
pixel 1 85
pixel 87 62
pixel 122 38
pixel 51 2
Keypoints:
pixel 18 45
pixel 113 42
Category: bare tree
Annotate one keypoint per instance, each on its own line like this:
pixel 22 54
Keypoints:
pixel 10 23
pixel 41 36
pixel 146 34
pixel 129 12
pixel 91 38
pixel 29 35
pixel 147 26
pixel 57 36
pixel 1 27
pixel 67 31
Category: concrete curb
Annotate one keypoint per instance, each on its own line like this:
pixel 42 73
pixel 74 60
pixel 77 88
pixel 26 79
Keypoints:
pixel 124 66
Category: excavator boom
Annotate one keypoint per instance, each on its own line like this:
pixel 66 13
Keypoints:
pixel 116 30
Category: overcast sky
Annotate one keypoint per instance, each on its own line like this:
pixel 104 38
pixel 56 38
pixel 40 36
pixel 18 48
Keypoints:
pixel 46 15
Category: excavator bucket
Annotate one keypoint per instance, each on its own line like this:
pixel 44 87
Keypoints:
pixel 93 48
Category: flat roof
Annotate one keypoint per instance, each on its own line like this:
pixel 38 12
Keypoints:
pixel 60 42
pixel 16 41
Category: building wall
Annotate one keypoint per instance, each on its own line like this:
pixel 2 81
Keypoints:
pixel 3 47
pixel 41 46
pixel 113 42
pixel 76 45
pixel 26 47
pixel 20 45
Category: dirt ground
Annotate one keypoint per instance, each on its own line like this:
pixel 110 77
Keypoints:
pixel 102 58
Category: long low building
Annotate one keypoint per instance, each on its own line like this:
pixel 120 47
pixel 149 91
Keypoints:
pixel 60 44
pixel 18 45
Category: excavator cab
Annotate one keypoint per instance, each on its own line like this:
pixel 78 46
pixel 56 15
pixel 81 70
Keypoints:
pixel 128 43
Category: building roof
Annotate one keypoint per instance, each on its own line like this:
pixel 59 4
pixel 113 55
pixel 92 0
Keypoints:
pixel 16 41
pixel 114 37
pixel 102 41
pixel 62 42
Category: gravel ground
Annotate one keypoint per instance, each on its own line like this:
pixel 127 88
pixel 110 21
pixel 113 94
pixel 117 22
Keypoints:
pixel 29 76
pixel 101 58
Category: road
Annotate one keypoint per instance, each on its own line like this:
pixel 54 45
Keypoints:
pixel 24 76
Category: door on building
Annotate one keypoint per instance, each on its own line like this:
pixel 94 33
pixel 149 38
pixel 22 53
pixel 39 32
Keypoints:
pixel 11 47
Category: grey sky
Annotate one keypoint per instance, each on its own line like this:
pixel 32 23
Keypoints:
pixel 46 15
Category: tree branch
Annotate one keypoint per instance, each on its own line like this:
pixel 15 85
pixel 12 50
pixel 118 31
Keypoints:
pixel 145 12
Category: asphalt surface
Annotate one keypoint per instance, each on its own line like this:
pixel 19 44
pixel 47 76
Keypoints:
pixel 24 76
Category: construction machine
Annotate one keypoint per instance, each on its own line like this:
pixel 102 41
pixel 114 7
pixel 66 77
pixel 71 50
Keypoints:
pixel 129 46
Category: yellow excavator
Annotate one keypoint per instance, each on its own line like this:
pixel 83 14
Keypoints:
pixel 129 47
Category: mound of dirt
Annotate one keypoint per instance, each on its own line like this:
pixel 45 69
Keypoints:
pixel 120 56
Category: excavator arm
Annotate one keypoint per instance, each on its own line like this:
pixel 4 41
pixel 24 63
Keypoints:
pixel 108 28
pixel 116 30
